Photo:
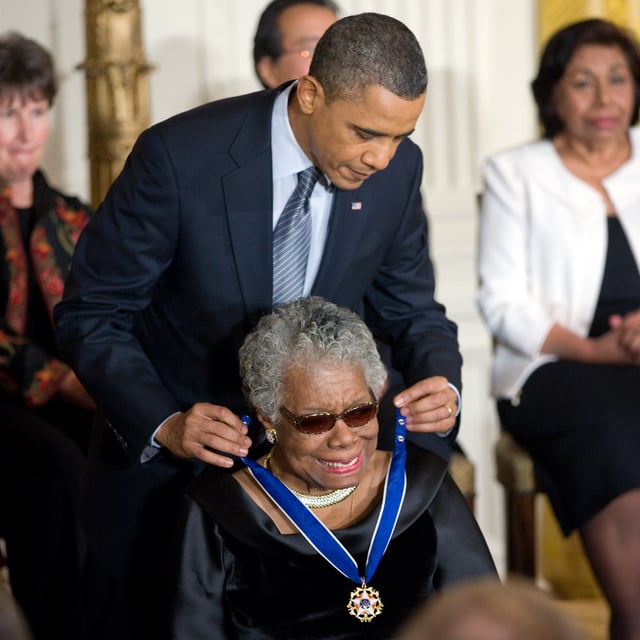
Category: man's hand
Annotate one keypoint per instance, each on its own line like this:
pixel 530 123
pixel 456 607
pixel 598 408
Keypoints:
pixel 204 427
pixel 428 405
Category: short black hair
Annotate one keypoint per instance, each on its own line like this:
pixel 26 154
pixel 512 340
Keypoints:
pixel 26 69
pixel 369 49
pixel 558 52
pixel 268 39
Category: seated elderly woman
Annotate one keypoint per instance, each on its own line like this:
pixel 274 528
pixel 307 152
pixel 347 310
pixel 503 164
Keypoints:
pixel 558 263
pixel 325 532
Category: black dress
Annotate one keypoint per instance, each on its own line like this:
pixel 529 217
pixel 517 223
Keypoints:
pixel 580 422
pixel 241 578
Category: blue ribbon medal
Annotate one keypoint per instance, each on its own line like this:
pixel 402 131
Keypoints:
pixel 364 601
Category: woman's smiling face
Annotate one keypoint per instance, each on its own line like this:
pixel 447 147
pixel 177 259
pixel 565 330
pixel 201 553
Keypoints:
pixel 339 457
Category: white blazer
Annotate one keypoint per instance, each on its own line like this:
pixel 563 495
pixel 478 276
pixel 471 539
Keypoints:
pixel 542 249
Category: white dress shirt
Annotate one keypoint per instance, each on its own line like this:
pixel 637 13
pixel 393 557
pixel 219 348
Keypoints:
pixel 288 159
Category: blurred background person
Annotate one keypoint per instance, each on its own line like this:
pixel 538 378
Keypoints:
pixel 488 610
pixel 312 373
pixel 559 249
pixel 286 37
pixel 45 414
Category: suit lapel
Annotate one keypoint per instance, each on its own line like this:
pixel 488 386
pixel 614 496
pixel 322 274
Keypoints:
pixel 350 215
pixel 248 196
pixel 248 193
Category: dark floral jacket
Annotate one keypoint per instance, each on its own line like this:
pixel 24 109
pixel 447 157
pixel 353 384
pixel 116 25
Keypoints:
pixel 26 368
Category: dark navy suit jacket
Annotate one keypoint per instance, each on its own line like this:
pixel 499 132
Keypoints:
pixel 176 267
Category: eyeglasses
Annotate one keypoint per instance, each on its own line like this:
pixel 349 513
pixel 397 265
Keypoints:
pixel 316 423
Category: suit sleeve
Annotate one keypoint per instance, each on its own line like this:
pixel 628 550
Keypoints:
pixel 401 303
pixel 119 258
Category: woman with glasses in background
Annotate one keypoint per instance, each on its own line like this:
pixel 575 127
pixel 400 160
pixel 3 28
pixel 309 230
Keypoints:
pixel 325 531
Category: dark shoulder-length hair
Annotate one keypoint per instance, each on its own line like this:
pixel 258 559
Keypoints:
pixel 26 69
pixel 560 49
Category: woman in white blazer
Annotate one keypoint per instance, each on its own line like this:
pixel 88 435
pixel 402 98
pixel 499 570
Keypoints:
pixel 559 249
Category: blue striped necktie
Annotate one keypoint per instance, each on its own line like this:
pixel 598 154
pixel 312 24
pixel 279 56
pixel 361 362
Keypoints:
pixel 291 240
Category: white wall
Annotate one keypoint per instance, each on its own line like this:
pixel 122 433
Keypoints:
pixel 480 55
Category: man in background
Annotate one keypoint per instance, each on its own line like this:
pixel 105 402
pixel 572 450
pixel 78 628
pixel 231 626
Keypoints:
pixel 286 37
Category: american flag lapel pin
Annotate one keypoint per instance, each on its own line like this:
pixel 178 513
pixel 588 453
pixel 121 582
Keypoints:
pixel 356 206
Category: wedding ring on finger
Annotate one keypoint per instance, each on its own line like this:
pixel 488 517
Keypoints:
pixel 449 409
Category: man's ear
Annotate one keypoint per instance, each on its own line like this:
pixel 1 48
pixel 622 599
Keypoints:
pixel 264 67
pixel 309 93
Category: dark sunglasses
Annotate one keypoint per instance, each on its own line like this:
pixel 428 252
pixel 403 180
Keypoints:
pixel 315 423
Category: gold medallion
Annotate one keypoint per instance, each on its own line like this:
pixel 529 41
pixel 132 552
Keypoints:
pixel 365 603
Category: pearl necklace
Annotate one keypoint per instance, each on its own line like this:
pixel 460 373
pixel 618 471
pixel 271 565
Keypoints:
pixel 308 500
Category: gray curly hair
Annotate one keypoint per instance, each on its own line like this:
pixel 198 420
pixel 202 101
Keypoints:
pixel 305 333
